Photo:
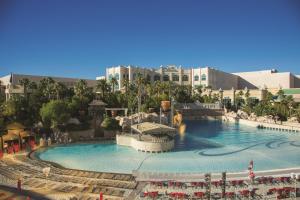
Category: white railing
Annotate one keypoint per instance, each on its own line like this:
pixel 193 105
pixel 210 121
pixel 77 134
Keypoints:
pixel 197 105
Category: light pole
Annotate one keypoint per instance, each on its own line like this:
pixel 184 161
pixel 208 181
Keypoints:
pixel 172 110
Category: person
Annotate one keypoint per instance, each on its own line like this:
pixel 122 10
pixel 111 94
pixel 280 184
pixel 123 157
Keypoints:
pixel 19 184
pixel 5 147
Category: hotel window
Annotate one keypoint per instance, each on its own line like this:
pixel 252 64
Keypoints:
pixel 124 76
pixel 203 77
pixel 196 78
pixel 185 78
pixel 157 78
pixel 117 76
pixel 166 78
pixel 175 77
pixel 110 77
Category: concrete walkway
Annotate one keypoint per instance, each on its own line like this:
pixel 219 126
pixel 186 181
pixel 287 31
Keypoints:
pixel 12 193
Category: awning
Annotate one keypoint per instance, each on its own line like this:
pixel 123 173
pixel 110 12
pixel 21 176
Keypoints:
pixel 25 134
pixel 152 128
pixel 15 126
pixel 10 137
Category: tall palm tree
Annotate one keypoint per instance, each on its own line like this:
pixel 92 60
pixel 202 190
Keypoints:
pixel 113 82
pixel 140 81
pixel 103 86
pixel 81 88
pixel 46 85
pixel 58 89
pixel 158 88
pixel 25 83
pixel 32 85
pixel 126 83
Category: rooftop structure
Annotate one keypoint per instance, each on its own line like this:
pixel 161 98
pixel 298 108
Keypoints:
pixel 268 79
pixel 149 137
pixel 153 128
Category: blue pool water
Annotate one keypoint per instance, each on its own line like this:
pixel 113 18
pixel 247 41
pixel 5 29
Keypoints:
pixel 207 146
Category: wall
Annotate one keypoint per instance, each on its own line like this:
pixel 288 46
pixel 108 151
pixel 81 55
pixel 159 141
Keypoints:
pixel 297 81
pixel 264 79
pixel 127 140
pixel 219 79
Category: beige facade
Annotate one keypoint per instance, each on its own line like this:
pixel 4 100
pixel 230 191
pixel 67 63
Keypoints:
pixel 208 76
pixel 204 76
pixel 268 79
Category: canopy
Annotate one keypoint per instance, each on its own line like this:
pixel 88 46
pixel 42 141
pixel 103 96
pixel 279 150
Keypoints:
pixel 97 103
pixel 10 137
pixel 152 128
pixel 25 134
pixel 15 126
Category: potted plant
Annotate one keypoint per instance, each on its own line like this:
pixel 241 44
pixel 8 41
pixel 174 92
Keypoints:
pixel 165 103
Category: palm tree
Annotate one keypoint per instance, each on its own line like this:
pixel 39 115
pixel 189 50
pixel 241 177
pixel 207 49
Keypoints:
pixel 199 88
pixel 25 83
pixel 46 85
pixel 81 89
pixel 58 89
pixel 32 85
pixel 103 86
pixel 158 88
pixel 126 83
pixel 140 81
pixel 113 82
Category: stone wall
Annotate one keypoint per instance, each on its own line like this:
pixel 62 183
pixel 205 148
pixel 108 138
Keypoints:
pixel 190 114
pixel 147 146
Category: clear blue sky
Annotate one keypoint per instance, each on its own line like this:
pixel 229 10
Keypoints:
pixel 81 38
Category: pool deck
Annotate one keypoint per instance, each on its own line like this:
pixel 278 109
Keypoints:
pixel 189 177
pixel 68 183
pixel 62 183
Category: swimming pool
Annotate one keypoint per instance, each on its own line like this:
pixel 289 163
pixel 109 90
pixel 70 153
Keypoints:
pixel 207 146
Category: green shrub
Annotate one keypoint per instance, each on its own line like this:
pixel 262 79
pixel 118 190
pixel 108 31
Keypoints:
pixel 110 124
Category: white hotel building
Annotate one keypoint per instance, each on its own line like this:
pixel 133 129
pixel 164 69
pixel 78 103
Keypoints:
pixel 207 76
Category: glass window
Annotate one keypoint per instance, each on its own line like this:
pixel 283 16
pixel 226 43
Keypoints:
pixel 110 77
pixel 203 77
pixel 196 78
pixel 166 78
pixel 175 77
pixel 157 78
pixel 185 78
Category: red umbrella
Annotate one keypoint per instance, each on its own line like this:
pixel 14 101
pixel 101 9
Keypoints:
pixel 101 196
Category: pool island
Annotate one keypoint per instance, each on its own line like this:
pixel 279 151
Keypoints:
pixel 148 137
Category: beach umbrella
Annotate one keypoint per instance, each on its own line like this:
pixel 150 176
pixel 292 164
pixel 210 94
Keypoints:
pixel 101 196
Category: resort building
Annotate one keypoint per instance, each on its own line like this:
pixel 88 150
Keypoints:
pixel 12 86
pixel 205 76
pixel 225 85
pixel 268 79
